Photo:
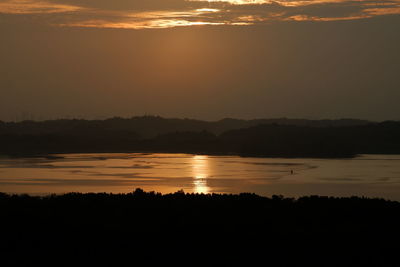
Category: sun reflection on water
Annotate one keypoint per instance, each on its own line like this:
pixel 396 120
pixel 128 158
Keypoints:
pixel 200 174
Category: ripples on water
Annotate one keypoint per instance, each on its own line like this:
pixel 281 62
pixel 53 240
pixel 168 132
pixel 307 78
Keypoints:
pixel 367 175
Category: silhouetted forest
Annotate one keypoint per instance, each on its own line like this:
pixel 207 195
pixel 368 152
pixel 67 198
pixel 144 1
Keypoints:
pixel 211 230
pixel 270 138
pixel 151 126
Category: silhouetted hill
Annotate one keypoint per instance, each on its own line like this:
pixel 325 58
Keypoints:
pixel 268 140
pixel 297 141
pixel 151 126
pixel 190 229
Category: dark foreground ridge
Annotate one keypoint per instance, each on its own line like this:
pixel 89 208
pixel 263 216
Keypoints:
pixel 193 229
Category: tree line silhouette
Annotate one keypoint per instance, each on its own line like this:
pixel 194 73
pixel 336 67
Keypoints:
pixel 212 229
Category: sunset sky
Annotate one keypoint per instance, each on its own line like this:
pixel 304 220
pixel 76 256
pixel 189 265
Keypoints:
pixel 200 59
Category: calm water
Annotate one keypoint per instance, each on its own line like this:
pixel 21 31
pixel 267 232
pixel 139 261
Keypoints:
pixel 367 175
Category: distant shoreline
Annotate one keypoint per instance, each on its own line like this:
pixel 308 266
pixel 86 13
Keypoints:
pixel 279 138
pixel 56 154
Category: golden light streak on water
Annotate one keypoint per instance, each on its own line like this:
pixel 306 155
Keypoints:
pixel 201 173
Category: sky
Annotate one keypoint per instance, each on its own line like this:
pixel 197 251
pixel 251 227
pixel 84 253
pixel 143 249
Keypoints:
pixel 199 59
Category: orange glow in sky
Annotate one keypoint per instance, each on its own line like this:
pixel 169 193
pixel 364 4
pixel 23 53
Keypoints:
pixel 199 12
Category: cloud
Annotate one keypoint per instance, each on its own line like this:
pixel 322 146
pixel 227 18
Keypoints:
pixel 35 7
pixel 150 19
pixel 144 14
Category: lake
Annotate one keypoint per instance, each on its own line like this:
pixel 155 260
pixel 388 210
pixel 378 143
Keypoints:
pixel 366 175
